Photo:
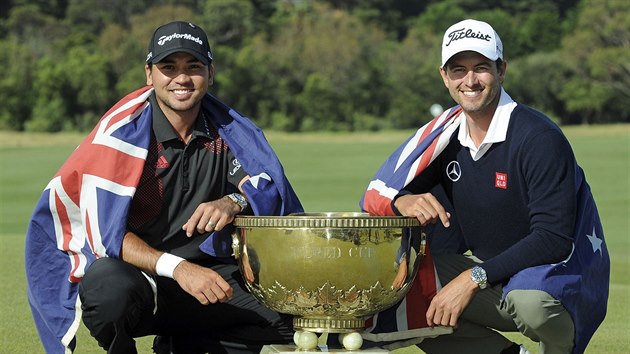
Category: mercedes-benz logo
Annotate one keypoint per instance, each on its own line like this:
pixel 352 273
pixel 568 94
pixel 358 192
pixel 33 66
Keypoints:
pixel 453 171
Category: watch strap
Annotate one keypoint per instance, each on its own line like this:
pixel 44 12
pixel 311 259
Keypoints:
pixel 239 200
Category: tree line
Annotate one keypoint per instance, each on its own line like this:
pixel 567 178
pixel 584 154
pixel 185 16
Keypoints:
pixel 309 65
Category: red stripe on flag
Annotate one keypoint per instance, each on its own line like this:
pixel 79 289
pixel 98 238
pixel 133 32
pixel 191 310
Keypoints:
pixel 427 155
pixel 66 228
pixel 123 114
pixel 124 101
pixel 425 158
pixel 77 261
pixel 427 130
pixel 112 165
pixel 64 219
pixel 421 292
pixel 376 204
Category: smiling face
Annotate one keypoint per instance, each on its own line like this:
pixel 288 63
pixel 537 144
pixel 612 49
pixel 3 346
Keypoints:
pixel 180 81
pixel 474 82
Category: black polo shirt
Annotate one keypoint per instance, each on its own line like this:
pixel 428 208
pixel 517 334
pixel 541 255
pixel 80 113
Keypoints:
pixel 177 177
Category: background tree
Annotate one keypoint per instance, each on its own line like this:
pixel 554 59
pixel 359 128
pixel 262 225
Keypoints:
pixel 28 41
pixel 15 85
pixel 311 64
pixel 538 79
pixel 596 53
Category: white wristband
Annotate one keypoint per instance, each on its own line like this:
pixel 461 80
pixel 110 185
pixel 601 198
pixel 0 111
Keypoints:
pixel 166 264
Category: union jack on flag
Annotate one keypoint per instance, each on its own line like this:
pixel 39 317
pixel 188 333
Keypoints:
pixel 68 231
pixel 408 161
pixel 405 323
pixel 82 213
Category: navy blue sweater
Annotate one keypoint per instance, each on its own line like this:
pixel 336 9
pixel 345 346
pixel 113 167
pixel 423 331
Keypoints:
pixel 516 205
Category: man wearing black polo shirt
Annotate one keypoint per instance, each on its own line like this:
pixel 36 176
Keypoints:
pixel 539 264
pixel 190 189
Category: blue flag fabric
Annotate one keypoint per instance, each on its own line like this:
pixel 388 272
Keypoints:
pixel 268 190
pixel 581 282
pixel 82 213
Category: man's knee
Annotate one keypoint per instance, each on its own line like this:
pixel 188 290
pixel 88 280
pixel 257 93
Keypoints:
pixel 541 317
pixel 110 288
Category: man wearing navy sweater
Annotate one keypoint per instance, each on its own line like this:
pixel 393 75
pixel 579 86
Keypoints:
pixel 520 199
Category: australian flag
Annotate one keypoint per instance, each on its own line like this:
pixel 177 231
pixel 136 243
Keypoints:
pixel 580 282
pixel 82 213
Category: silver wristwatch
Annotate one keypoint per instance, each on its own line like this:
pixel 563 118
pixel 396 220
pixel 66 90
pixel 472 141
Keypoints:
pixel 478 275
pixel 238 199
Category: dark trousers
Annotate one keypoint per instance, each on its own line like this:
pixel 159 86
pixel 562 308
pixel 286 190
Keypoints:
pixel 118 305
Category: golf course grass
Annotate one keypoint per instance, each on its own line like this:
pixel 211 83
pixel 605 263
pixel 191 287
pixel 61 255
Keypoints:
pixel 329 172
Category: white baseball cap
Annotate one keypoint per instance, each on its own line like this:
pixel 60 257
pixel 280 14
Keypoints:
pixel 471 35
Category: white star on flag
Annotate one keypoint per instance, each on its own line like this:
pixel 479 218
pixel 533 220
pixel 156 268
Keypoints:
pixel 596 242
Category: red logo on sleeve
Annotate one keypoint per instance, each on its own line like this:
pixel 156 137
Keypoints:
pixel 500 180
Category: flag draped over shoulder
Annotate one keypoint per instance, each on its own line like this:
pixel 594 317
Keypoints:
pixel 409 160
pixel 268 190
pixel 405 323
pixel 82 213
pixel 580 282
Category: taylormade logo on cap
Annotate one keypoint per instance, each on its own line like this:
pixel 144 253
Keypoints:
pixel 471 35
pixel 187 36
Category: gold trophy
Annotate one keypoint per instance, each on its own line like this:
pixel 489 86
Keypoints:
pixel 330 270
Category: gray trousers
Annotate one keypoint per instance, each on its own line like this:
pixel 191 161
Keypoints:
pixel 534 313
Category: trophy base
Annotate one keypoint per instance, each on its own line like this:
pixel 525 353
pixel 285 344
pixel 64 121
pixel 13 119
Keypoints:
pixel 293 349
pixel 328 325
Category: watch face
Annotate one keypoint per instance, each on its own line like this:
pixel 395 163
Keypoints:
pixel 478 275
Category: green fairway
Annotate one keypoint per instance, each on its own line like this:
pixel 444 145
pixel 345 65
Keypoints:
pixel 329 172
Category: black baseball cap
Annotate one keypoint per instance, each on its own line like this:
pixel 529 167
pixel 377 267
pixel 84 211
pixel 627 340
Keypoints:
pixel 179 36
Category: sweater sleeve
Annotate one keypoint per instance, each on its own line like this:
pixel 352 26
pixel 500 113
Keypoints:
pixel 548 169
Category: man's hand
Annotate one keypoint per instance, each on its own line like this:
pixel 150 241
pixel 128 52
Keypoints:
pixel 206 285
pixel 212 215
pixel 203 283
pixel 425 207
pixel 449 303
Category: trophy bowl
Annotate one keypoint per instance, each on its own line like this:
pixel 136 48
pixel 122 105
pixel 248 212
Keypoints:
pixel 330 270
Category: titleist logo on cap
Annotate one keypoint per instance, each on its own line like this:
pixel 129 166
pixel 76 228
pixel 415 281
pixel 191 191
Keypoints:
pixel 164 39
pixel 466 33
